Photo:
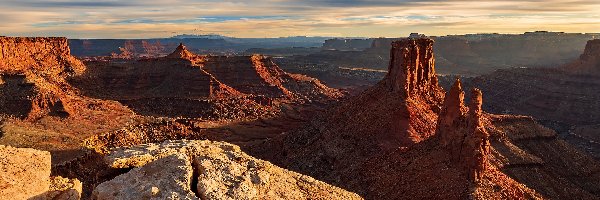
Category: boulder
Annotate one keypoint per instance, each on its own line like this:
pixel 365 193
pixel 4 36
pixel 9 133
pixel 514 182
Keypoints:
pixel 167 178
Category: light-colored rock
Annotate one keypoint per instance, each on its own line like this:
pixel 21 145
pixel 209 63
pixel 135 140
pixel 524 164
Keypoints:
pixel 24 173
pixel 64 189
pixel 167 178
pixel 225 172
pixel 229 173
pixel 140 155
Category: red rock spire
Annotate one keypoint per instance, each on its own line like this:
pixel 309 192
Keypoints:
pixel 181 52
pixel 412 66
pixel 461 131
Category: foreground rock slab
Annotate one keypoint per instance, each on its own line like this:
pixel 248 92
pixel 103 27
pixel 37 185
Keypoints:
pixel 167 178
pixel 223 172
pixel 24 173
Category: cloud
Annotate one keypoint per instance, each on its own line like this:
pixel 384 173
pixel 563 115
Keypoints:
pixel 273 18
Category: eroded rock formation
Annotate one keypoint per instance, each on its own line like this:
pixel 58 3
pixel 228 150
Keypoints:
pixel 462 133
pixel 181 52
pixel 412 67
pixel 49 57
pixel 35 70
pixel 40 105
pixel 401 139
pixel 166 178
pixel 199 86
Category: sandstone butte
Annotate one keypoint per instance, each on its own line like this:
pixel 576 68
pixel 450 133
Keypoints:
pixel 34 73
pixel 589 61
pixel 257 75
pixel 405 138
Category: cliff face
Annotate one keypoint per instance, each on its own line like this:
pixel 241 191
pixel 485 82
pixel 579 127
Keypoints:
pixel 248 74
pixel 35 70
pixel 589 61
pixel 42 56
pixel 35 94
pixel 412 68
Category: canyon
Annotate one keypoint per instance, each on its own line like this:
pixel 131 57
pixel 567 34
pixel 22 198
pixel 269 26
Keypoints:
pixel 405 137
pixel 182 125
pixel 563 98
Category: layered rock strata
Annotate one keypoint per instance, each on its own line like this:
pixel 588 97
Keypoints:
pixel 184 84
pixel 563 98
pixel 34 70
pixel 48 57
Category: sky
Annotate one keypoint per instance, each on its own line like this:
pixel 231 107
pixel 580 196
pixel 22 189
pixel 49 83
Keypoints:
pixel 280 18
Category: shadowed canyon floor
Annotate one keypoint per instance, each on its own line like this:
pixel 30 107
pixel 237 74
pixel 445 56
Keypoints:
pixel 189 126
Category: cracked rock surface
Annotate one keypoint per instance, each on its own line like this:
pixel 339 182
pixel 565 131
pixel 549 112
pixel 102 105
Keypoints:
pixel 223 172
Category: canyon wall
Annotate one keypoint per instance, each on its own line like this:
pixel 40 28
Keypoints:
pixel 42 56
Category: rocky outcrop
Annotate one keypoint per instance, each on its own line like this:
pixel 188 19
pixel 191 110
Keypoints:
pixel 64 189
pixel 591 51
pixel 36 69
pixel 25 174
pixel 222 171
